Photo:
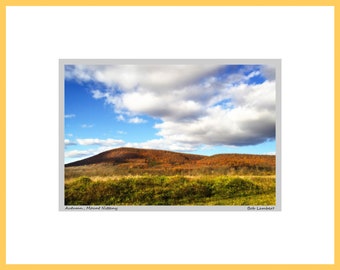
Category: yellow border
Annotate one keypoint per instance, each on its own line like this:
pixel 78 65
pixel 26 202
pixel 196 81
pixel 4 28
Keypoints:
pixel 5 3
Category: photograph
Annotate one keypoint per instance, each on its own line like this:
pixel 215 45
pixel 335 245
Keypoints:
pixel 169 133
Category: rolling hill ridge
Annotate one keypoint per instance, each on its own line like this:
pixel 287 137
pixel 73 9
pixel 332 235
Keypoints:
pixel 138 156
pixel 136 161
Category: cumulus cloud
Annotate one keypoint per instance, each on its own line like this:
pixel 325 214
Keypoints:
pixel 196 104
pixel 137 120
pixel 237 127
pixel 70 115
pixel 167 106
pixel 154 77
pixel 259 96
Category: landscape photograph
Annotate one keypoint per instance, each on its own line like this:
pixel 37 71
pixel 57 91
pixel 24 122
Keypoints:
pixel 169 133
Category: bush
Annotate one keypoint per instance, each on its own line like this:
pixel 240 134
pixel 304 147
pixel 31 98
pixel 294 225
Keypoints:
pixel 162 190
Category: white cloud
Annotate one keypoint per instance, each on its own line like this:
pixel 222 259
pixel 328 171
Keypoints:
pixel 268 72
pixel 249 119
pixel 94 141
pixel 156 77
pixel 260 96
pixel 70 115
pixel 164 106
pixel 120 117
pixel 79 72
pixel 79 153
pixel 240 126
pixel 106 142
pixel 133 120
pixel 137 120
pixel 97 94
pixel 68 142
pixel 196 104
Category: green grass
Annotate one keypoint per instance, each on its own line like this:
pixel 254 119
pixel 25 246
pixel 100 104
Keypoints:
pixel 171 190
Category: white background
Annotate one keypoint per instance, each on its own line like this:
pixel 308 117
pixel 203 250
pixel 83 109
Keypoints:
pixel 38 37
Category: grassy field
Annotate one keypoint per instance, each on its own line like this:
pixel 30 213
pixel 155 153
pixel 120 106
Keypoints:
pixel 170 190
pixel 105 171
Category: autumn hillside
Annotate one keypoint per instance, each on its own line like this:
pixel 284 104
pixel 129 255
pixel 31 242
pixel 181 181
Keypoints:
pixel 138 157
pixel 237 160
pixel 127 161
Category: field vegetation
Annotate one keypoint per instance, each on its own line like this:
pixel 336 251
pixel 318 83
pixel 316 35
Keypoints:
pixel 171 190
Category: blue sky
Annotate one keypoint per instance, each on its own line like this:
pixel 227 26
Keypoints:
pixel 200 109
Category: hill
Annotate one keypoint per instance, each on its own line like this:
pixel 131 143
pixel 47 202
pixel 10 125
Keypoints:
pixel 140 157
pixel 236 161
pixel 134 161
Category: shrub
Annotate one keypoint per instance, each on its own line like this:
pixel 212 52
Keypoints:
pixel 162 190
